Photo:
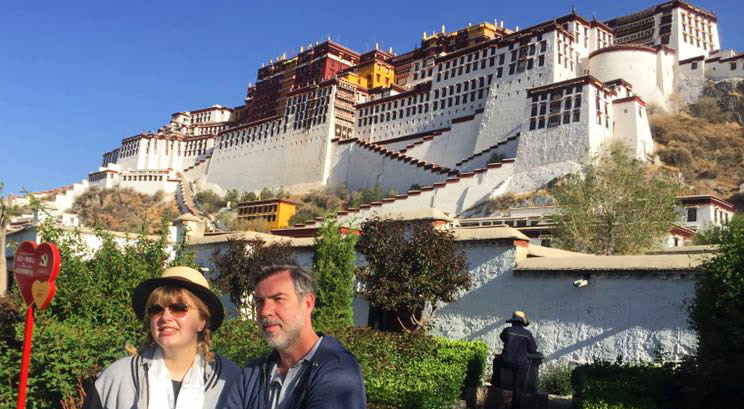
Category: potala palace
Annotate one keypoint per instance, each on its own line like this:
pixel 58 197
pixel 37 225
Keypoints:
pixel 466 116
pixel 544 98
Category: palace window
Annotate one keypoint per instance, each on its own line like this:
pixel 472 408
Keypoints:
pixel 691 214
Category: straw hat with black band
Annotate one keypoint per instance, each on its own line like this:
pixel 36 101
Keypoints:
pixel 183 277
pixel 519 316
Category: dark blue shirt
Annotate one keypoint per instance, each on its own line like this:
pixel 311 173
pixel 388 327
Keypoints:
pixel 333 381
pixel 518 342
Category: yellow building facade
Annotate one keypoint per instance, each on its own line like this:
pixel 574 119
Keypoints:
pixel 276 212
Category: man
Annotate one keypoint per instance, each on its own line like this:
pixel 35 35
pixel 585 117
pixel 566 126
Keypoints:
pixel 306 369
pixel 518 342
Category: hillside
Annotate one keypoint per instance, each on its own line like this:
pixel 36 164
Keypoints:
pixel 124 210
pixel 705 142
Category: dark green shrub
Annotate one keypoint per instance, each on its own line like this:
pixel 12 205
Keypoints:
pixel 716 315
pixel 676 155
pixel 556 379
pixel 634 386
pixel 413 370
pixel 710 109
pixel 210 202
pixel 240 341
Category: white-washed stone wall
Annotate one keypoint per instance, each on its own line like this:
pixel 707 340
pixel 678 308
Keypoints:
pixel 451 146
pixel 613 316
pixel 283 160
pixel 505 108
pixel 647 71
pixel 506 149
pixel 689 82
pixel 453 196
pixel 630 124
pixel 358 166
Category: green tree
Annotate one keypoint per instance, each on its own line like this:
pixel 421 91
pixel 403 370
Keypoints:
pixel 231 198
pixel 334 262
pixel 235 263
pixel 410 267
pixel 248 197
pixel 720 234
pixel 210 202
pixel 716 314
pixel 615 208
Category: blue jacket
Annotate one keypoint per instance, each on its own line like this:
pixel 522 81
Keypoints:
pixel 333 381
pixel 518 342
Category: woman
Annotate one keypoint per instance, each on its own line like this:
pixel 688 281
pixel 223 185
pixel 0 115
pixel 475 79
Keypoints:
pixel 175 368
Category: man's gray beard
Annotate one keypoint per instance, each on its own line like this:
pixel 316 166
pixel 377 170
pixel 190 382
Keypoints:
pixel 282 341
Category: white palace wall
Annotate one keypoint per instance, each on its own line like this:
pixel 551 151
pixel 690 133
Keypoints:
pixel 630 124
pixel 650 72
pixel 506 149
pixel 359 166
pixel 453 195
pixel 295 160
pixel 505 108
pixel 452 145
pixel 575 142
pixel 630 315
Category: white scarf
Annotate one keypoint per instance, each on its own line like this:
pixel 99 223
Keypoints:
pixel 160 386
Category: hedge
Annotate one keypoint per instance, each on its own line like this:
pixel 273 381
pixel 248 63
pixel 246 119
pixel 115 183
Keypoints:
pixel 604 385
pixel 406 371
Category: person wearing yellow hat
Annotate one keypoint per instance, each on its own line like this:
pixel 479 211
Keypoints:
pixel 518 342
pixel 175 367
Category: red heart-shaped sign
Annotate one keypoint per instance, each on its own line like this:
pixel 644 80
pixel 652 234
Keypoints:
pixel 35 268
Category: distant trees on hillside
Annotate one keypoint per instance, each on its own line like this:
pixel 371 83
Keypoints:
pixel 124 210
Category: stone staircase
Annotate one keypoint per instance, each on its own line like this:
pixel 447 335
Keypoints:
pixel 480 159
pixel 453 195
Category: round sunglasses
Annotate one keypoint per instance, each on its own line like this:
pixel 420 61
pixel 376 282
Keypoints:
pixel 177 309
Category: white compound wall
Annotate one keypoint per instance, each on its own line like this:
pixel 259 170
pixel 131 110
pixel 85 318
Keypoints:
pixel 628 316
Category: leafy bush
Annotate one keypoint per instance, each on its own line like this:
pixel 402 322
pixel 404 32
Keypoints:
pixel 267 194
pixel 240 341
pixel 604 385
pixel 411 267
pixel 242 257
pixel 556 379
pixel 708 108
pixel 210 202
pixel 716 315
pixel 414 370
pixel 334 262
pixel 677 155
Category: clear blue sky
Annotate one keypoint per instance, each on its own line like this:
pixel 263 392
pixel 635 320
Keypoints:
pixel 78 76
